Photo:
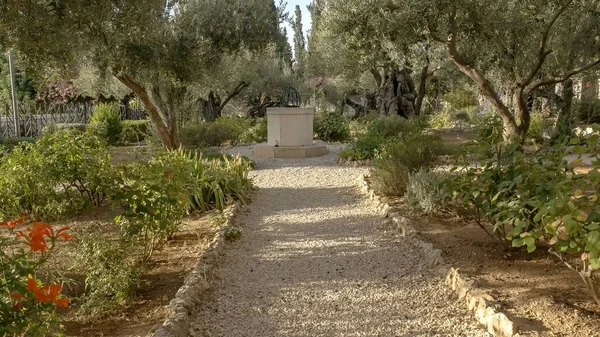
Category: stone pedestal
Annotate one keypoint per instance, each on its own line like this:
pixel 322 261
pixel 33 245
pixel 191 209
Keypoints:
pixel 290 134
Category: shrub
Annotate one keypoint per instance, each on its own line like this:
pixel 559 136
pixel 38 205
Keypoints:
pixel 539 128
pixel 401 158
pixel 426 193
pixel 154 195
pixel 460 118
pixel 488 126
pixel 415 152
pixel 538 198
pixel 394 126
pixel 331 127
pixel 257 133
pixel 27 305
pixel 63 172
pixel 390 177
pixel 111 273
pixel 235 126
pixel 367 147
pixel 441 120
pixel 225 129
pixel 588 111
pixel 135 131
pixel 106 121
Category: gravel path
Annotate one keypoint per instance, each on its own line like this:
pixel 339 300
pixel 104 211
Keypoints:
pixel 314 259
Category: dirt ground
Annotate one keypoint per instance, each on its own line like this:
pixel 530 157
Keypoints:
pixel 161 278
pixel 535 290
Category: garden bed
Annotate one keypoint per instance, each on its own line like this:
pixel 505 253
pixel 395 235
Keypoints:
pixel 536 291
pixel 161 277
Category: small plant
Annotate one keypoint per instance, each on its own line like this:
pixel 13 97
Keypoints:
pixel 488 126
pixel 111 273
pixel 107 123
pixel 331 127
pixel 425 192
pixel 27 304
pixel 233 233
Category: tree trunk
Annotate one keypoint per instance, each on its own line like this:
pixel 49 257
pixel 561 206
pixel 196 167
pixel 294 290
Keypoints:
pixel 396 95
pixel 167 130
pixel 211 107
pixel 565 120
pixel 425 73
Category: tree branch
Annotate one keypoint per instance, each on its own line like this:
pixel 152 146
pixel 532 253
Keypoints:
pixel 236 91
pixel 554 80
pixel 376 76
pixel 543 53
pixel 482 83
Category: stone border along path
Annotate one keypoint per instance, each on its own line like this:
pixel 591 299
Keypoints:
pixel 317 259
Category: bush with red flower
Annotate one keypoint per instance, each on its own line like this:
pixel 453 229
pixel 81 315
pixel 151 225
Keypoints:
pixel 28 305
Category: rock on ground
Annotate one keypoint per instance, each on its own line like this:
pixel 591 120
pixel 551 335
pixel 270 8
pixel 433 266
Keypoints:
pixel 315 259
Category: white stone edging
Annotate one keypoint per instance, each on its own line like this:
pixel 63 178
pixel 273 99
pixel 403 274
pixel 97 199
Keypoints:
pixel 475 299
pixel 178 318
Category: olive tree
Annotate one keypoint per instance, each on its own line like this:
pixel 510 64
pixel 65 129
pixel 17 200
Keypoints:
pixel 156 48
pixel 510 49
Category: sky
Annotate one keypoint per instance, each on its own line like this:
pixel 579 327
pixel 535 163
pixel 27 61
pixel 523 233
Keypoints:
pixel 306 20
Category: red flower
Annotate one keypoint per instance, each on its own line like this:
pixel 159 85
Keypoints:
pixel 36 238
pixel 47 293
pixel 588 85
pixel 12 224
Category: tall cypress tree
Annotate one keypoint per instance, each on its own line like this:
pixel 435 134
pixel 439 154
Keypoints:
pixel 299 44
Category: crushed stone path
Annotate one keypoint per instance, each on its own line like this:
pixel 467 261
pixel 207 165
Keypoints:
pixel 314 259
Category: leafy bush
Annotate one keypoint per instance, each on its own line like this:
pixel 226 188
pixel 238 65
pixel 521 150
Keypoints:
pixel 27 305
pixel 539 128
pixel 539 198
pixel 401 158
pixel 135 131
pixel 156 194
pixel 63 172
pixel 257 133
pixel 488 126
pixel 366 147
pixel 111 273
pixel 107 123
pixel 236 127
pixel 390 177
pixel 416 152
pixel 588 111
pixel 426 193
pixel 224 129
pixel 331 127
pixel 394 126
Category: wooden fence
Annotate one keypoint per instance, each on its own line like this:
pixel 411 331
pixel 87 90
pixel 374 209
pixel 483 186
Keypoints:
pixel 33 118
